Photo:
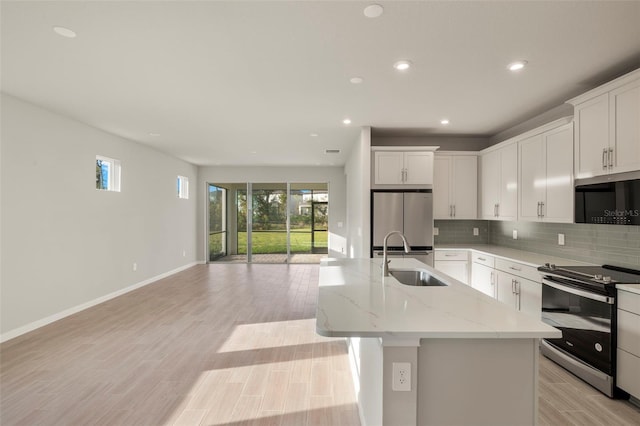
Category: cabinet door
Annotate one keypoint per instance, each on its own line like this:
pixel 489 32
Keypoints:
pixel 625 128
pixel 490 184
pixel 455 268
pixel 464 187
pixel 505 290
pixel 418 168
pixel 532 177
pixel 530 297
pixel 558 206
pixel 592 136
pixel 388 167
pixel 441 187
pixel 483 279
pixel 508 206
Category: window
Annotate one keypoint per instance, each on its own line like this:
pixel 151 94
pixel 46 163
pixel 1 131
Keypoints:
pixel 183 187
pixel 107 174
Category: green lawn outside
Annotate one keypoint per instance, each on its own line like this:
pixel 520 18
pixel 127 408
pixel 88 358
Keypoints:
pixel 267 242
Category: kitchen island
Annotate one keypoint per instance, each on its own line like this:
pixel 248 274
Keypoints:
pixel 471 359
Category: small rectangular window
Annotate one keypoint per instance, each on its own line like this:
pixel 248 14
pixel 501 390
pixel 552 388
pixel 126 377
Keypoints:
pixel 183 187
pixel 107 174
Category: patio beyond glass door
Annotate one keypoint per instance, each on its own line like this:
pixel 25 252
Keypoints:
pixel 308 222
pixel 269 223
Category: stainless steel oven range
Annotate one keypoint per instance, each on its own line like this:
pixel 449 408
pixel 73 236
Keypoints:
pixel 581 302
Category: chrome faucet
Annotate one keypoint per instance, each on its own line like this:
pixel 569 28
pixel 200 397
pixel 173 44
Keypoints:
pixel 385 262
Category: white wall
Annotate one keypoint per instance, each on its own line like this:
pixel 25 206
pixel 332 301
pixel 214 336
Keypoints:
pixel 358 171
pixel 334 176
pixel 66 244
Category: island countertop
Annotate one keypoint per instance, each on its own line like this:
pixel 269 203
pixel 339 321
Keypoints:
pixel 355 301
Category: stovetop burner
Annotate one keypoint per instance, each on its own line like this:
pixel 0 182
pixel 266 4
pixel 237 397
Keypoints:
pixel 603 275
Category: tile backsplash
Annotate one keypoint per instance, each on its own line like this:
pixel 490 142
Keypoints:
pixel 461 232
pixel 598 244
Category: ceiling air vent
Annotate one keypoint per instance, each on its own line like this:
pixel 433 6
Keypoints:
pixel 332 151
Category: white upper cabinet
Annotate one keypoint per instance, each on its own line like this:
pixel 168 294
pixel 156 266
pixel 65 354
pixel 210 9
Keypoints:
pixel 624 139
pixel 499 183
pixel 403 168
pixel 607 128
pixel 546 176
pixel 455 187
pixel 389 167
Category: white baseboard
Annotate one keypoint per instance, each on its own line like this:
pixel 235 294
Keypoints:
pixel 55 317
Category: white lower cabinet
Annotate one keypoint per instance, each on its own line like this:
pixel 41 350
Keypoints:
pixel 513 283
pixel 628 351
pixel 483 274
pixel 519 286
pixel 520 293
pixel 454 263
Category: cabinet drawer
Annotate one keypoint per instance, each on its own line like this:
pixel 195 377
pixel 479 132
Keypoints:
pixel 483 259
pixel 518 269
pixel 628 374
pixel 452 255
pixel 629 301
pixel 629 332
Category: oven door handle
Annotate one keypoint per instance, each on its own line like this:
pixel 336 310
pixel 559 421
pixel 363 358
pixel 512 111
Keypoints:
pixel 578 292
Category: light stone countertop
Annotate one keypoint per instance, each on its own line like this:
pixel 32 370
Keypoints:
pixel 631 288
pixel 355 301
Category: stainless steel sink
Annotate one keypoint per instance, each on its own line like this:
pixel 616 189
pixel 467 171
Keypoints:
pixel 417 278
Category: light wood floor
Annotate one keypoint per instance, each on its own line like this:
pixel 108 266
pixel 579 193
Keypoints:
pixel 217 344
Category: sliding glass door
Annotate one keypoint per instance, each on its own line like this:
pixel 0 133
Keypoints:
pixel 217 222
pixel 268 222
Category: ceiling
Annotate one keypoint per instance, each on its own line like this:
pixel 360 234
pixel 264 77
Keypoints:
pixel 248 82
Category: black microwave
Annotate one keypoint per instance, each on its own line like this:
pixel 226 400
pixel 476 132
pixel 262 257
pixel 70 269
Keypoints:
pixel 613 199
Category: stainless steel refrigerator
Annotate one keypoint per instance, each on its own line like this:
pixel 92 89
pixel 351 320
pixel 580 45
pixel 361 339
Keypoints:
pixel 410 212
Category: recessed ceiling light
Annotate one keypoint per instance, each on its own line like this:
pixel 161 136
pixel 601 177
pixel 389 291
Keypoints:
pixel 346 121
pixel 517 65
pixel 64 32
pixel 402 65
pixel 254 152
pixel 314 135
pixel 154 134
pixel 373 11
pixel 356 80
pixel 444 121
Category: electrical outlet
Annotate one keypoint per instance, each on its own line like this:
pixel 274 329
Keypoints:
pixel 135 266
pixel 184 253
pixel 561 239
pixel 436 231
pixel 401 380
pixel 476 232
pixel 515 234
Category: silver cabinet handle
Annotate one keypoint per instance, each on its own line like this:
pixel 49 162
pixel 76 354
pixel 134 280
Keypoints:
pixel 541 208
pixel 513 286
pixel 605 160
pixel 450 210
pixel 454 210
pixel 538 209
pixel 610 158
pixel 514 268
pixel 482 258
pixel 450 255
